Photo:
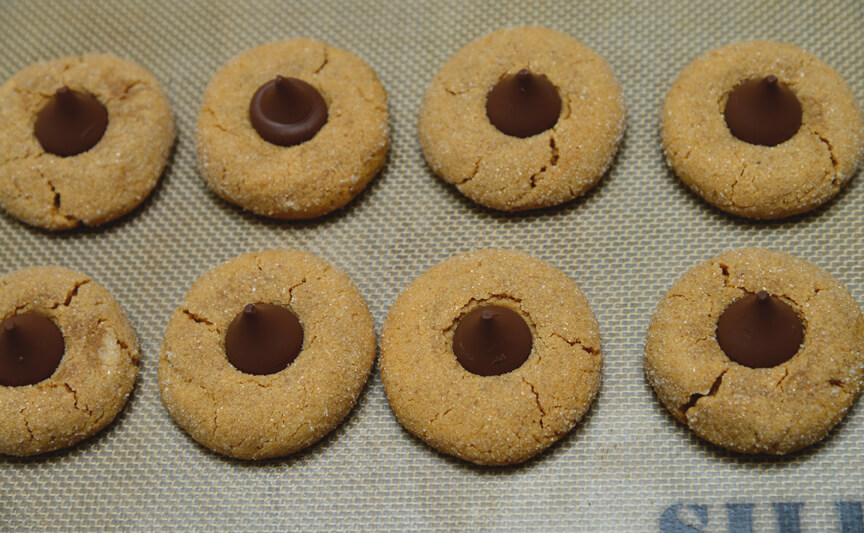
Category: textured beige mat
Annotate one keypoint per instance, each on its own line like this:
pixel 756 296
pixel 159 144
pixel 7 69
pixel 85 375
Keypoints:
pixel 628 467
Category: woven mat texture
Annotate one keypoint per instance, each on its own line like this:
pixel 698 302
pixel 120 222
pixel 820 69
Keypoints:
pixel 624 243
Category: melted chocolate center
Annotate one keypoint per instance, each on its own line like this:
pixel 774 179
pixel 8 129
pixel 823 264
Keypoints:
pixel 31 348
pixel 287 111
pixel 760 331
pixel 523 104
pixel 492 340
pixel 71 122
pixel 263 339
pixel 763 111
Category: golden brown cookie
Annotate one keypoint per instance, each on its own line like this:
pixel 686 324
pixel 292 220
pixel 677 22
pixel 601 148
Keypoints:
pixel 57 192
pixel 266 414
pixel 305 180
pixel 493 417
pixel 760 180
pixel 513 173
pixel 754 405
pixel 43 406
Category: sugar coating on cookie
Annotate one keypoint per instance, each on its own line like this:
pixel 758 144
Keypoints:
pixel 490 419
pixel 258 416
pixel 108 180
pixel 97 371
pixel 755 180
pixel 512 173
pixel 308 179
pixel 773 410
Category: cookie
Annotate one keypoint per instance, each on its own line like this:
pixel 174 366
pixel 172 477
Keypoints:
pixel 84 140
pixel 68 359
pixel 292 129
pixel 491 356
pixel 757 351
pixel 266 355
pixel 762 129
pixel 522 118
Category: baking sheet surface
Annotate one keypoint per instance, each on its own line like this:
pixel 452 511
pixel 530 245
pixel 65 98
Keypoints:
pixel 627 467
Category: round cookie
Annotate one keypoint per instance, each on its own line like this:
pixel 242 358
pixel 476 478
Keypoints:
pixel 510 173
pixel 100 184
pixel 755 180
pixel 308 179
pixel 263 415
pixel 772 410
pixel 490 419
pixel 95 374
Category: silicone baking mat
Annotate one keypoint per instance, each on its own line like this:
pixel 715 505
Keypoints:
pixel 627 467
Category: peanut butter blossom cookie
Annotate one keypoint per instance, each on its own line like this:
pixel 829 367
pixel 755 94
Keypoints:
pixel 522 119
pixel 292 129
pixel 68 359
pixel 266 355
pixel 757 351
pixel 491 356
pixel 762 129
pixel 84 140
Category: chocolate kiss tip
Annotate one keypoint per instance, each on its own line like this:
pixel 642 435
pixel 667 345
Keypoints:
pixel 524 77
pixel 250 309
pixel 283 84
pixel 762 296
pixel 65 96
pixel 771 79
pixel 486 315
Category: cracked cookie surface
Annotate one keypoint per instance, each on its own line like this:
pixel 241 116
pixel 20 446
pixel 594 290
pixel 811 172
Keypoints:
pixel 510 173
pixel 95 376
pixel 773 410
pixel 312 178
pixel 491 420
pixel 103 183
pixel 263 416
pixel 763 182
